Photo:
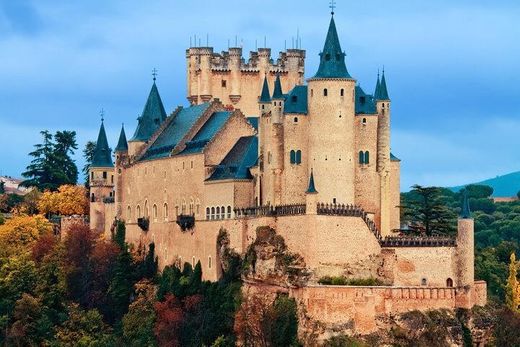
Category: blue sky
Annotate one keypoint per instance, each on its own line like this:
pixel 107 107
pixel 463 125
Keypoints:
pixel 453 69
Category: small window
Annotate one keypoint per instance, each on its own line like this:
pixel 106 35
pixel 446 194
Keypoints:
pixel 293 157
pixel 449 283
pixel 224 83
pixel 312 93
pixel 138 211
pixel 213 213
pixel 367 158
pixel 112 179
pixel 268 157
pixel 191 164
pixel 295 119
pixel 128 213
pixel 183 165
pixel 193 262
pixel 298 157
pixel 92 198
pixel 325 92
pixel 222 212
pixel 207 213
pixel 342 92
pixel 364 121
pixel 217 216
pixel 165 212
pixel 209 262
pixel 104 174
pixel 154 209
pixel 361 157
pixel 92 175
pixel 424 282
pixel 229 212
pixel 334 200
pixel 263 107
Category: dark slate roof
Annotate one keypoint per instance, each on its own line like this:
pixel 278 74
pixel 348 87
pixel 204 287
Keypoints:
pixel 151 118
pixel 122 144
pixel 296 101
pixel 312 187
pixel 394 158
pixel 277 93
pixel 365 103
pixel 378 86
pixel 265 96
pixel 207 132
pixel 237 162
pixel 383 91
pixel 175 131
pixel 332 58
pixel 253 121
pixel 102 154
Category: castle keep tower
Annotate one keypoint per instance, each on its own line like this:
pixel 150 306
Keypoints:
pixel 121 160
pixel 101 175
pixel 237 83
pixel 331 124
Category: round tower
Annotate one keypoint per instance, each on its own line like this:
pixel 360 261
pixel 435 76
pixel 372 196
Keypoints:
pixel 331 124
pixel 465 280
pixel 235 61
pixel 205 55
pixel 121 160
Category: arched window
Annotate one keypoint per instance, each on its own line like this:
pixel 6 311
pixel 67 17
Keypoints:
pixel 192 204
pixel 92 198
pixel 138 211
pixel 154 209
pixel 146 212
pixel 183 207
pixel 325 92
pixel 129 213
pixel 213 213
pixel 193 262
pixel 312 93
pixel 229 212
pixel 209 262
pixel 361 157
pixel 222 212
pixel 92 175
pixel 423 282
pixel 367 157
pixel 165 211
pixel 364 121
pixel 176 210
pixel 342 92
pixel 207 213
pixel 197 207
pixel 295 119
pixel 293 157
pixel 298 157
pixel 449 282
pixel 217 215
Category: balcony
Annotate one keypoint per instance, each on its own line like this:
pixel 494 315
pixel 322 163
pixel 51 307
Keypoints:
pixel 143 223
pixel 185 221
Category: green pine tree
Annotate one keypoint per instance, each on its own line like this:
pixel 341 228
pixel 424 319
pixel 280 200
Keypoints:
pixel 88 155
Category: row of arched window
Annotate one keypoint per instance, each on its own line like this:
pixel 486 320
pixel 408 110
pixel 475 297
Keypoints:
pixel 326 92
pixel 364 157
pixel 192 209
pixel 295 157
pixel 219 212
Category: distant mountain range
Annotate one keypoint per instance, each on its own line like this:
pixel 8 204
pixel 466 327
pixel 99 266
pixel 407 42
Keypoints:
pixel 503 186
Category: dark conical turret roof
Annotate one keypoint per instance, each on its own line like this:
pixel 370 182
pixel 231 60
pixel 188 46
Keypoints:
pixel 265 96
pixel 102 154
pixel 332 58
pixel 277 93
pixel 312 188
pixel 378 87
pixel 122 144
pixel 152 117
pixel 383 91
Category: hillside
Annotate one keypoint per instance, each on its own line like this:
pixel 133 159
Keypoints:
pixel 503 186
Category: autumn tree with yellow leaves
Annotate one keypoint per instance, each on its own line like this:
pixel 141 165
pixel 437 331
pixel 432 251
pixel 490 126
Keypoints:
pixel 68 200
pixel 21 232
pixel 512 287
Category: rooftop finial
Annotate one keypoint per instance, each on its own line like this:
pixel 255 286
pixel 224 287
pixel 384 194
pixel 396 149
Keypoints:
pixel 102 114
pixel 154 74
pixel 332 6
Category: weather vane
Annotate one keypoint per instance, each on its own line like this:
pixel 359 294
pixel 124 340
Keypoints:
pixel 102 113
pixel 332 6
pixel 154 74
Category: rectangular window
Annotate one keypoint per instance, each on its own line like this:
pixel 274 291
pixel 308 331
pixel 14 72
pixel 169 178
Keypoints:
pixel 224 83
pixel 104 174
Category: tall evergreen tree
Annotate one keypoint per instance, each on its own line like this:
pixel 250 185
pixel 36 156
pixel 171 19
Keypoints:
pixel 88 155
pixel 63 150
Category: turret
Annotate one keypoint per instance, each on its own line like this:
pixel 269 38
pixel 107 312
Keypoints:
pixel 331 112
pixel 383 152
pixel 235 60
pixel 121 159
pixel 310 196
pixel 465 256
pixel 150 120
pixel 101 179
pixel 277 101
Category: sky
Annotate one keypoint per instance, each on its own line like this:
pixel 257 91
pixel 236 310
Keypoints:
pixel 452 68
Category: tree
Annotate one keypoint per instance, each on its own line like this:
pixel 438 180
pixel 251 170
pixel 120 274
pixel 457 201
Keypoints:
pixel 2 187
pixel 84 328
pixel 31 327
pixel 170 317
pixel 518 194
pixel 512 287
pixel 63 150
pixel 121 286
pixel 18 234
pixel 68 200
pixel 88 155
pixel 139 322
pixel 427 213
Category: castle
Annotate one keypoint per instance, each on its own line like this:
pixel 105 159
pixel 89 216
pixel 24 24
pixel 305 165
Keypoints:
pixel 259 147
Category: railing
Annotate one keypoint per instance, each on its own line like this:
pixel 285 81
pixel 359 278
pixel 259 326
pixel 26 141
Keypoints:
pixel 348 211
pixel 270 211
pixel 186 222
pixel 418 241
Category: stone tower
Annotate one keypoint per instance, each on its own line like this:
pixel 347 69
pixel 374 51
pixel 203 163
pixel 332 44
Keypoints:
pixel 465 256
pixel 331 124
pixel 101 175
pixel 383 152
pixel 121 160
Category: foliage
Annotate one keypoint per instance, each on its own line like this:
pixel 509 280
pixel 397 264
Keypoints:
pixel 9 201
pixel 19 233
pixel 88 155
pixel 343 341
pixel 52 165
pixel 2 187
pixel 139 322
pixel 68 200
pixel 506 329
pixel 343 281
pixel 513 287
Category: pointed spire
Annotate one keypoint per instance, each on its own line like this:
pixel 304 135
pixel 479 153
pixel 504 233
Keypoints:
pixel 277 93
pixel 312 188
pixel 466 212
pixel 383 91
pixel 122 144
pixel 102 154
pixel 378 87
pixel 266 96
pixel 332 58
pixel 152 117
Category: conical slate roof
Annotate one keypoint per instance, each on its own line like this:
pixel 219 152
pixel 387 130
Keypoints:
pixel 277 93
pixel 378 87
pixel 383 91
pixel 312 188
pixel 332 58
pixel 122 144
pixel 152 117
pixel 265 96
pixel 102 154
